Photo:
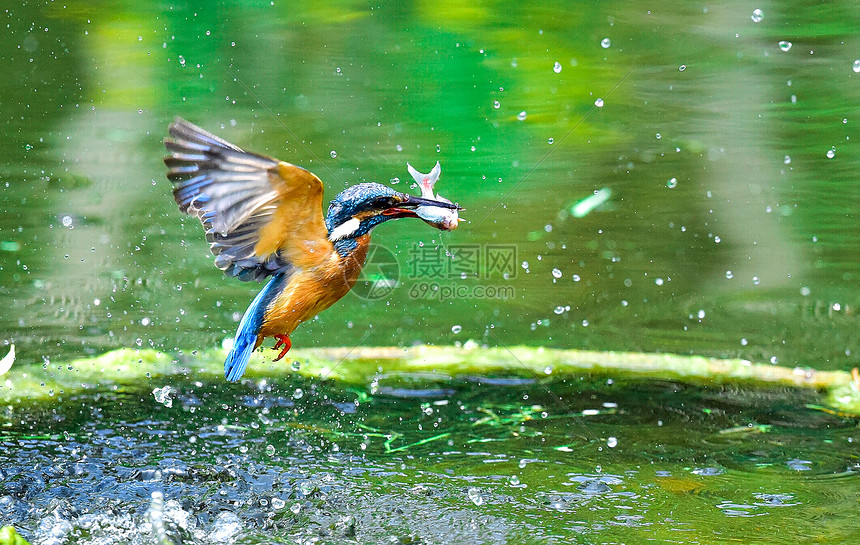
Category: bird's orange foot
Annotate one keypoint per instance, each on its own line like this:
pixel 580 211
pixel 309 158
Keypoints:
pixel 283 340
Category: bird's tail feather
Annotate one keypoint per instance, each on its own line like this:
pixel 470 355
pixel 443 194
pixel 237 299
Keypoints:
pixel 249 328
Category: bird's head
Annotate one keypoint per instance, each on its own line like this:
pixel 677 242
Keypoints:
pixel 360 208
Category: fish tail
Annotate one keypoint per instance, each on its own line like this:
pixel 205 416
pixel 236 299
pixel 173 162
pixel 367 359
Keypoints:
pixel 247 336
pixel 425 181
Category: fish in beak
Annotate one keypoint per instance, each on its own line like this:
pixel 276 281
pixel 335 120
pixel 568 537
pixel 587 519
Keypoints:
pixel 436 211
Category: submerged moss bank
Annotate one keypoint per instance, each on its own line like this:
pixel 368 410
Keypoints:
pixel 122 368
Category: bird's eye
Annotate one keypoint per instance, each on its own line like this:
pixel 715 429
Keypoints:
pixel 384 202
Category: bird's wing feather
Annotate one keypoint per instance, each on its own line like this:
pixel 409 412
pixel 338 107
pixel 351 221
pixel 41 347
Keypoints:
pixel 262 216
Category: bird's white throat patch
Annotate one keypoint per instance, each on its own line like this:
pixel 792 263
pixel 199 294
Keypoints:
pixel 345 229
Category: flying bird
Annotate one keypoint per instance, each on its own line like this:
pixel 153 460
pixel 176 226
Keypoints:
pixel 263 220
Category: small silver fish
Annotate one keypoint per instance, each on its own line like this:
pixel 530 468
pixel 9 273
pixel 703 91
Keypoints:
pixel 441 218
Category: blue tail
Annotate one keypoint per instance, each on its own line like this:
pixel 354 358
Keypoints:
pixel 249 327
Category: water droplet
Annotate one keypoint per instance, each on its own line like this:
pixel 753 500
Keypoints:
pixel 701 314
pixel 599 103
pixel 658 281
pixel 787 160
pixel 295 366
pixel 547 370
pixel 550 141
pixel 298 393
pixel 785 45
pixel 497 104
pixel 295 508
pixel 831 153
pixel 730 275
pixel 605 43
pixel 475 496
pixel 757 15
pixel 270 450
pixel 456 329
pixel 514 480
pixel 672 183
pixel 556 273
pixel 162 395
pixel 333 154
pixel 522 115
pixel 682 68
pixel 559 310
pixel 658 136
pixel 856 66
pixel 438 148
pixel 67 221
pixel 611 442
pixel 556 67
pixel 278 503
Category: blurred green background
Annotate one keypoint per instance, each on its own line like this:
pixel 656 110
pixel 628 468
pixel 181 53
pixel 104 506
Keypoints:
pixel 728 142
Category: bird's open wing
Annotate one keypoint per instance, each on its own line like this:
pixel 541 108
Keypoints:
pixel 262 216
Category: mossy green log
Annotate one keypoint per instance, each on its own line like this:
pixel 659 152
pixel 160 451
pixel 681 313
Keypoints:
pixel 128 368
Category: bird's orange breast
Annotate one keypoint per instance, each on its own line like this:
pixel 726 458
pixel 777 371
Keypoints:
pixel 312 290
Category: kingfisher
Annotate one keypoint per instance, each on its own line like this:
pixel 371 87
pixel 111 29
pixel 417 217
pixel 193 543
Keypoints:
pixel 263 221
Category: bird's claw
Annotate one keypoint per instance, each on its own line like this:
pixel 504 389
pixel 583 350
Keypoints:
pixel 283 340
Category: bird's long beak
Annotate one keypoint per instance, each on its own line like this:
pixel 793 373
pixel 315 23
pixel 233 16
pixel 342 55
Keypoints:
pixel 414 202
pixel 406 207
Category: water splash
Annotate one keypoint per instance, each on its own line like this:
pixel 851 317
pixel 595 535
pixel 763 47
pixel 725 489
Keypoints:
pixel 162 395
pixel 475 495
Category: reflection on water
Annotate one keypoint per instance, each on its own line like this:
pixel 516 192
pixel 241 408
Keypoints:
pixel 731 227
pixel 503 463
